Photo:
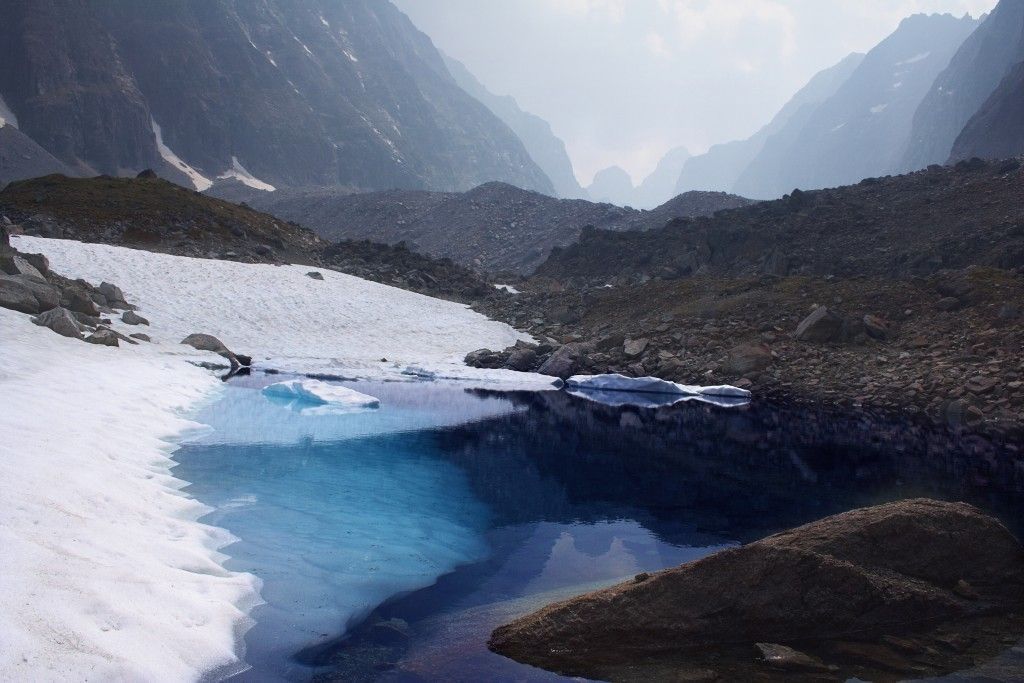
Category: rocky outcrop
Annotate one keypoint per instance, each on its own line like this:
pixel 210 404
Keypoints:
pixel 207 342
pixel 272 92
pixel 60 320
pixel 865 575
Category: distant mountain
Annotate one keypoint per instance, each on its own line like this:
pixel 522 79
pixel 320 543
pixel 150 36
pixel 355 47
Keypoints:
pixel 21 157
pixel 541 143
pixel 612 185
pixel 660 185
pixel 721 166
pixel 272 93
pixel 494 227
pixel 863 128
pixel 959 92
pixel 997 130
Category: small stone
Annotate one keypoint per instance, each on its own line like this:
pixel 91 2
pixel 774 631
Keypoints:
pixel 965 590
pixel 103 337
pixel 314 275
pixel 788 659
pixel 133 318
pixel 822 325
pixel 140 336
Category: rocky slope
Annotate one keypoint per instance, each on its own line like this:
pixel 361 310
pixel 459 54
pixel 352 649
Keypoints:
pixel 919 278
pixel 543 146
pixel 868 593
pixel 21 157
pixel 156 215
pixel 863 128
pixel 959 92
pixel 493 228
pixel 272 92
pixel 997 130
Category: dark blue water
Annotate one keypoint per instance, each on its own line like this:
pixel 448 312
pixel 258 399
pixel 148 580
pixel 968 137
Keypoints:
pixel 391 542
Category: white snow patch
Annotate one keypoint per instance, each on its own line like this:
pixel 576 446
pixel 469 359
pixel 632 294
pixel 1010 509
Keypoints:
pixel 200 181
pixel 609 389
pixel 238 172
pixel 324 22
pixel 897 85
pixel 350 55
pixel 838 128
pixel 270 58
pixel 508 288
pixel 915 59
pixel 7 116
pixel 105 573
pixel 341 326
pixel 320 393
pixel 879 108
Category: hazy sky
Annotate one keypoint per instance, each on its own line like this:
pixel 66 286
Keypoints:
pixel 622 81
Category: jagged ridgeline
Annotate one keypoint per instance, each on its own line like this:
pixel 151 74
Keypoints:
pixel 271 93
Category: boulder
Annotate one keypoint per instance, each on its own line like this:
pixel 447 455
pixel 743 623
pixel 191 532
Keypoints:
pixel 16 264
pixel 870 573
pixel 563 363
pixel 27 295
pixel 485 359
pixel 207 342
pixel 133 318
pixel 79 301
pixel 634 347
pixel 113 295
pixel 877 327
pixel 60 320
pixel 103 337
pixel 522 360
pixel 822 325
pixel 39 262
pixel 748 358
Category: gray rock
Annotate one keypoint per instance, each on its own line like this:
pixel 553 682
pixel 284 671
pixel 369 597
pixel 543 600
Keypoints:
pixel 79 301
pixel 140 336
pixel 522 360
pixel 635 347
pixel 60 320
pixel 16 264
pixel 788 659
pixel 207 342
pixel 747 358
pixel 823 325
pixel 27 295
pixel 563 363
pixel 113 295
pixel 133 318
pixel 315 275
pixel 485 358
pixel 39 262
pixel 877 327
pixel 103 337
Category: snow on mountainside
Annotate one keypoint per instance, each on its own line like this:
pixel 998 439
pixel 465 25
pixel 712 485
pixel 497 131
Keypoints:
pixel 863 128
pixel 961 90
pixel 721 166
pixel 275 93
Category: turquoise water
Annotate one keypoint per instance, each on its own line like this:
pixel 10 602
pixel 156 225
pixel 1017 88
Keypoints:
pixel 390 542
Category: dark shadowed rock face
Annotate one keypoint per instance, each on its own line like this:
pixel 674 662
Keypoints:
pixel 997 130
pixel 872 573
pixel 295 92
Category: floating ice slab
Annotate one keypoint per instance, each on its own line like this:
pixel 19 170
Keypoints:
pixel 318 393
pixel 651 391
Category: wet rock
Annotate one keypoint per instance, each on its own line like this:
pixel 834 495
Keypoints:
pixel 788 659
pixel 822 325
pixel 885 570
pixel 103 337
pixel 563 363
pixel 133 318
pixel 60 320
pixel 747 358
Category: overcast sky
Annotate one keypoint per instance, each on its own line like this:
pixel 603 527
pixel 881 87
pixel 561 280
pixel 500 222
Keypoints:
pixel 622 81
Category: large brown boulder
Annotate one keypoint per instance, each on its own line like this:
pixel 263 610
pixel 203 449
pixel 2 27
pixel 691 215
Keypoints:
pixel 884 570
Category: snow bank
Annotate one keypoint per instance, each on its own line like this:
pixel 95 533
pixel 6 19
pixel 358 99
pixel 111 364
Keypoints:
pixel 341 326
pixel 320 393
pixel 618 390
pixel 201 182
pixel 104 572
pixel 238 172
pixel 7 116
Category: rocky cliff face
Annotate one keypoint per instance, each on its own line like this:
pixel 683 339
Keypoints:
pixel 959 92
pixel 271 92
pixel 861 130
pixel 541 143
pixel 997 130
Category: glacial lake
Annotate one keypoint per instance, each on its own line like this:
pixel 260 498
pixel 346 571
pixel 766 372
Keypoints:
pixel 390 542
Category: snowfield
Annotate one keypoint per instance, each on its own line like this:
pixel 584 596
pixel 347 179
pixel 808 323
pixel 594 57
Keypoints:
pixel 105 574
